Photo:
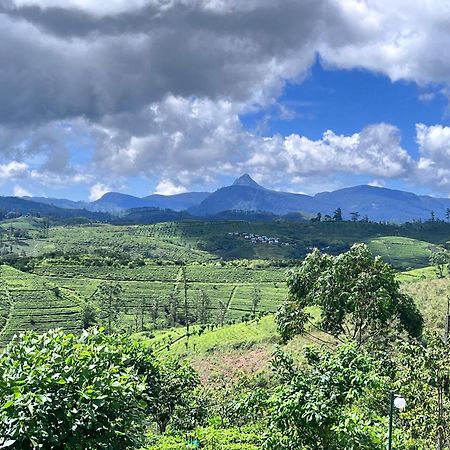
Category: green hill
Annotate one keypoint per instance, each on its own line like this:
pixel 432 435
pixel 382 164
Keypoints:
pixel 402 252
pixel 35 303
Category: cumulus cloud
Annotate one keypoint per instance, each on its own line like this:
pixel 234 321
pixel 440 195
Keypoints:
pixel 13 170
pixel 19 191
pixel 158 88
pixel 374 151
pixel 168 187
pixel 433 166
pixel 98 190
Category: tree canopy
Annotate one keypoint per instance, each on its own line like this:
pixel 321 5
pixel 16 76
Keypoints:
pixel 358 297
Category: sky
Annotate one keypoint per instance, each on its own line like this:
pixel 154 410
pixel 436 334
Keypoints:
pixel 169 96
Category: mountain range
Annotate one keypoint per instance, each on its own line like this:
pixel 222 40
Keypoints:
pixel 246 195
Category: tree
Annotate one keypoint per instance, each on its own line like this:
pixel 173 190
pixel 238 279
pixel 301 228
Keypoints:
pixel 203 307
pixel 186 305
pixel 111 302
pixel 447 214
pixel 354 216
pixel 440 259
pixel 155 309
pixel 169 389
pixel 73 392
pixel 358 296
pixel 423 372
pixel 336 401
pixel 256 300
pixel 173 301
pixel 223 308
pixel 337 216
pixel 140 314
pixel 89 313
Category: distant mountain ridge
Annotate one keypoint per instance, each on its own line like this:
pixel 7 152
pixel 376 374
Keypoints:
pixel 118 203
pixel 246 195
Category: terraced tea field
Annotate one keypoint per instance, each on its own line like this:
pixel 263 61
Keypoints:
pixel 151 285
pixel 402 252
pixel 36 303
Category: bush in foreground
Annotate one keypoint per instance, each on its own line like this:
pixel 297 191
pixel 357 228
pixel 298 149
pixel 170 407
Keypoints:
pixel 60 391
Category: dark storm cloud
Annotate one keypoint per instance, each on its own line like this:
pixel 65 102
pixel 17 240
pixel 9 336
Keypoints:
pixel 158 87
pixel 61 63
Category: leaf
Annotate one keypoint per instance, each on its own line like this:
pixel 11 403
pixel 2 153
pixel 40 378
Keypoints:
pixel 7 443
pixel 8 404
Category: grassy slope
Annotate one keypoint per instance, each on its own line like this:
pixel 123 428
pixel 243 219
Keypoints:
pixel 430 293
pixel 239 348
pixel 402 252
pixel 207 241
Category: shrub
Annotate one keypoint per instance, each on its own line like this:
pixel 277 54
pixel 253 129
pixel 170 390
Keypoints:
pixel 210 438
pixel 60 391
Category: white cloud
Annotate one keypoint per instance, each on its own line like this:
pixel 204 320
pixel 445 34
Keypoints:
pixel 13 170
pixel 113 88
pixel 377 183
pixel 405 39
pixel 98 190
pixel 374 151
pixel 168 187
pixel 433 165
pixel 19 191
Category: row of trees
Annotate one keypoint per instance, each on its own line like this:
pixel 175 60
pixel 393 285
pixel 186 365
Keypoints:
pixel 108 304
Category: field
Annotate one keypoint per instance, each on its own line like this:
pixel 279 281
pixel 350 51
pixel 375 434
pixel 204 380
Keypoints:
pixel 401 252
pixel 149 270
pixel 151 285
pixel 35 303
pixel 404 246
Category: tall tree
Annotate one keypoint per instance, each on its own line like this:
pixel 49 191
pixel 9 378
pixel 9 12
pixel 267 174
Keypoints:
pixel 223 307
pixel 173 301
pixel 256 300
pixel 358 297
pixel 203 307
pixel 111 302
pixel 337 216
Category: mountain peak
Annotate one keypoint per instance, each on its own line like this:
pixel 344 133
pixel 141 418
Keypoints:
pixel 246 180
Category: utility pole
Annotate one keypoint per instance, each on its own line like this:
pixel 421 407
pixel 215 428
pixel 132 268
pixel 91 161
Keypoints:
pixel 391 419
pixel 447 321
pixel 441 427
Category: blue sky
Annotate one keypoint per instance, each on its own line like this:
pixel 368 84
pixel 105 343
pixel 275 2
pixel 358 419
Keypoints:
pixel 144 96
pixel 346 101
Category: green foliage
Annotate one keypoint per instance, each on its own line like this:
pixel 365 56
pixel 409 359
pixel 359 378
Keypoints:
pixel 423 378
pixel 358 296
pixel 169 391
pixel 440 259
pixel 334 402
pixel 62 391
pixel 110 302
pixel 246 438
